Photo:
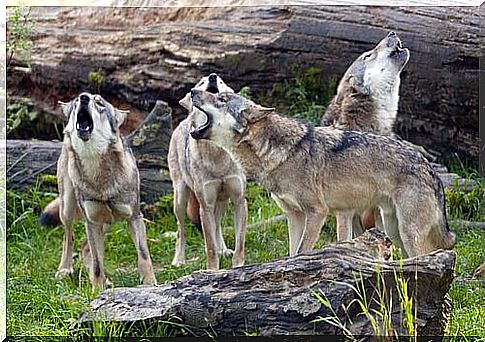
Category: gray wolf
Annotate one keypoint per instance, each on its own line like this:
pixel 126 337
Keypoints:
pixel 98 180
pixel 368 93
pixel 201 169
pixel 367 100
pixel 311 170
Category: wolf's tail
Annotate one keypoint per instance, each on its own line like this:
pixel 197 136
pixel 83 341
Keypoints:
pixel 50 216
pixel 193 211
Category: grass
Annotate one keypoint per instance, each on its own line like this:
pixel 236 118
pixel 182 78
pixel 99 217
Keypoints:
pixel 41 305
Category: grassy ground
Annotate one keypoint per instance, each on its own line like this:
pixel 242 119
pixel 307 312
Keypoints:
pixel 39 304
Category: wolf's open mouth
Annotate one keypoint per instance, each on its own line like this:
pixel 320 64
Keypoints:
pixel 84 123
pixel 201 131
pixel 212 88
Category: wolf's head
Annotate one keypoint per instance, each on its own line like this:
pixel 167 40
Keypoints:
pixel 376 71
pixel 221 117
pixel 92 119
pixel 212 83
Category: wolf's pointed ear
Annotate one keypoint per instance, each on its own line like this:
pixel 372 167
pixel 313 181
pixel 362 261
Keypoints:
pixel 65 107
pixel 120 116
pixel 256 112
pixel 358 85
pixel 186 102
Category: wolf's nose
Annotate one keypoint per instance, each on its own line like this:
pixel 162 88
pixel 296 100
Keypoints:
pixel 213 77
pixel 391 34
pixel 84 99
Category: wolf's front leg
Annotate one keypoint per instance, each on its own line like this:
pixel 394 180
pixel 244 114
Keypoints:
pixel 209 230
pixel 67 212
pixel 240 217
pixel 180 197
pixel 95 236
pixel 138 234
pixel 314 220
pixel 65 266
pixel 296 224
pixel 344 224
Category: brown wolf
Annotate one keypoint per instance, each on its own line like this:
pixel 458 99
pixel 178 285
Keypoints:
pixel 368 94
pixel 311 170
pixel 207 174
pixel 98 180
pixel 367 100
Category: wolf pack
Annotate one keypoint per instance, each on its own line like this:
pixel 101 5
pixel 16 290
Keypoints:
pixel 353 165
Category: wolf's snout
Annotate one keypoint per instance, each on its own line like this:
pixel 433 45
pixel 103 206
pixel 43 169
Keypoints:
pixel 213 77
pixel 212 86
pixel 84 99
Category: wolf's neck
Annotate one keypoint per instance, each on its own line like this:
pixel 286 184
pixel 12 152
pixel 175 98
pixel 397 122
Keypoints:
pixel 268 143
pixel 95 159
pixel 386 100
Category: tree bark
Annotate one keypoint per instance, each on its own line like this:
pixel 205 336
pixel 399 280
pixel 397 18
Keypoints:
pixel 27 159
pixel 278 297
pixel 145 54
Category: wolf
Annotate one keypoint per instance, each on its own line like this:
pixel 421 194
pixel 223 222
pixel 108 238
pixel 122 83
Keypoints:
pixel 98 181
pixel 311 170
pixel 202 170
pixel 368 94
pixel 367 100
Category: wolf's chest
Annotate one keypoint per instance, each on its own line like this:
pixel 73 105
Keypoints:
pixel 105 212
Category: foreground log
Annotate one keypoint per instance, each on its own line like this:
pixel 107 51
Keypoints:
pixel 278 297
pixel 142 54
pixel 28 159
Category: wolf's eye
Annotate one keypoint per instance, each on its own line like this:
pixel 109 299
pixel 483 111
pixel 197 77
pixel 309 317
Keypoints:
pixel 367 56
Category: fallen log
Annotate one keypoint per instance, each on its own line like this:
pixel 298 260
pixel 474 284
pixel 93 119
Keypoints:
pixel 28 159
pixel 279 297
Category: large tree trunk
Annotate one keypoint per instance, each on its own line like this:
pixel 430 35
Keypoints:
pixel 278 297
pixel 27 159
pixel 151 53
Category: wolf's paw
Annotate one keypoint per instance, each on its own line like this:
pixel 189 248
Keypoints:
pixel 64 272
pixel 226 252
pixel 178 262
pixel 149 280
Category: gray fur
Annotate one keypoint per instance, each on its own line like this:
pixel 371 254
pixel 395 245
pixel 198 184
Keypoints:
pixel 202 167
pixel 98 180
pixel 311 170
pixel 368 93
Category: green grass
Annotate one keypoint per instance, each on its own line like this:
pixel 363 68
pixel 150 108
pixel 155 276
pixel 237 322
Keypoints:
pixel 41 305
